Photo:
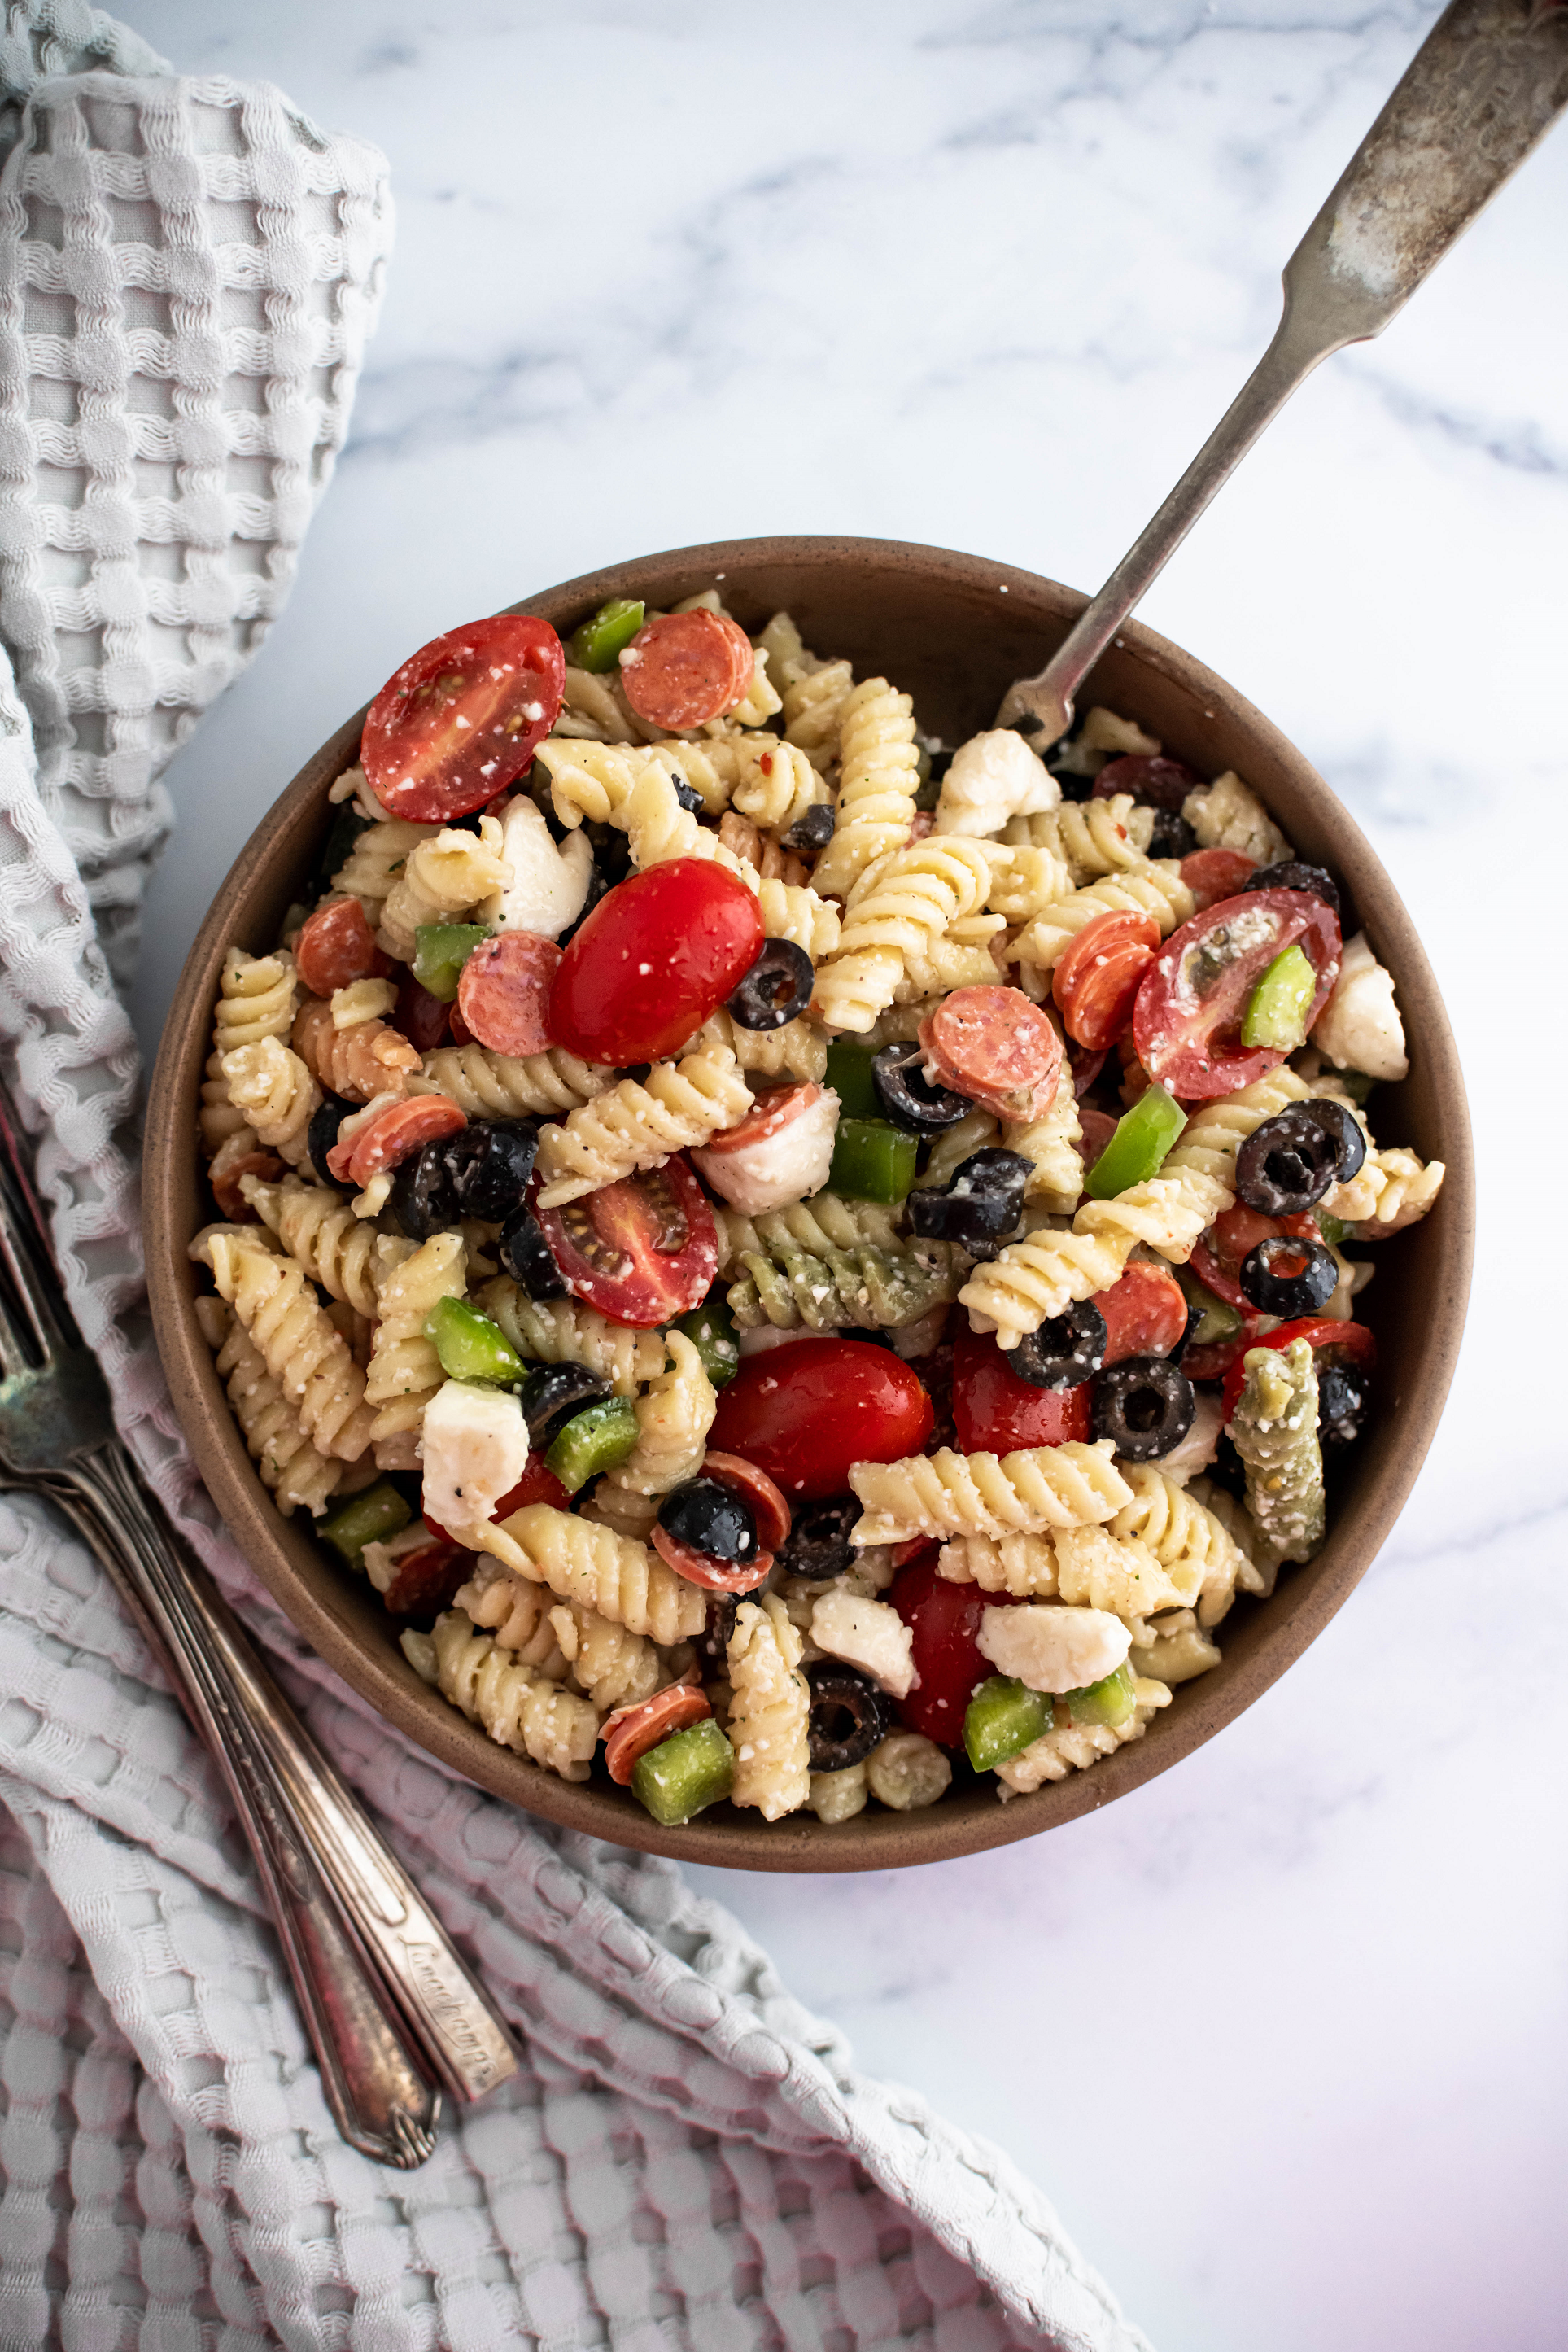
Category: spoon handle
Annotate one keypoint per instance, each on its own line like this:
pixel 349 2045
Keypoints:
pixel 1487 83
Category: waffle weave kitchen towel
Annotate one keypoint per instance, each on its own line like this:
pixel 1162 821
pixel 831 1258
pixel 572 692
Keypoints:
pixel 189 271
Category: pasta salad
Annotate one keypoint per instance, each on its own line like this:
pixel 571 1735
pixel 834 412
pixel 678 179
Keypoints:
pixel 803 1264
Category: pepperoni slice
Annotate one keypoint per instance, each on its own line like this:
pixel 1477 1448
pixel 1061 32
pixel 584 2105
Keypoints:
pixel 394 1133
pixel 503 992
pixel 631 1731
pixel 683 668
pixel 1156 783
pixel 994 1046
pixel 1144 1312
pixel 1099 974
pixel 1214 874
pixel 423 1018
pixel 757 1489
pixel 336 945
pixel 701 1568
pixel 425 1581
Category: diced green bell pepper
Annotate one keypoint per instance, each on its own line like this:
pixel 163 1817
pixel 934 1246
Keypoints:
pixel 873 1161
pixel 472 1348
pixel 1110 1701
pixel 368 1517
pixel 849 1075
pixel 1278 1007
pixel 711 1331
pixel 686 1773
pixel 602 638
pixel 1137 1149
pixel 1333 1229
pixel 1002 1718
pixel 1219 1320
pixel 440 952
pixel 598 1438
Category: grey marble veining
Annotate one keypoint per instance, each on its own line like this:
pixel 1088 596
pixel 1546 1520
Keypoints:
pixel 1281 2032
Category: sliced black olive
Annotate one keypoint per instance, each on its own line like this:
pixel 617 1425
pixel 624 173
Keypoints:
pixel 690 799
pixel 1287 1164
pixel 1171 835
pixel 1346 1132
pixel 1143 1405
pixel 908 1098
pixel 850 1715
pixel 597 887
pixel 322 1134
pixel 1063 1353
pixel 812 829
pixel 612 852
pixel 527 1257
pixel 1153 783
pixel 776 987
pixel 423 1198
pixel 1344 1396
pixel 818 1546
pixel 490 1162
pixel 1195 1316
pixel 984 1200
pixel 1295 874
pixel 711 1518
pixel 1283 1276
pixel 552 1393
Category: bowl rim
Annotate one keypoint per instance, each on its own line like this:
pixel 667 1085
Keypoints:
pixel 331 1615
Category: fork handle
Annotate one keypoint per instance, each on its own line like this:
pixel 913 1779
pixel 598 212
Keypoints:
pixel 386 1999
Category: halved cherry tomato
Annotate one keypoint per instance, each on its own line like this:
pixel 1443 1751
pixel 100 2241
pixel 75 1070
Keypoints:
pixel 1186 1023
pixel 336 945
pixel 1099 973
pixel 1214 874
pixel 538 1484
pixel 1157 782
pixel 642 1250
pixel 631 1731
pixel 945 1620
pixel 504 992
pixel 425 1581
pixel 778 1108
pixel 1217 1255
pixel 705 1570
pixel 1213 1361
pixel 772 1514
pixel 462 716
pixel 805 1413
pixel 657 956
pixel 996 1412
pixel 397 1130
pixel 1145 1314
pixel 421 1017
pixel 1330 1341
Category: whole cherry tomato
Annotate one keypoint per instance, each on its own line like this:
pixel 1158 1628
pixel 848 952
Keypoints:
pixel 945 1620
pixel 1146 1313
pixel 462 716
pixel 1332 1342
pixel 1186 1023
pixel 657 956
pixel 804 1413
pixel 643 1250
pixel 996 1412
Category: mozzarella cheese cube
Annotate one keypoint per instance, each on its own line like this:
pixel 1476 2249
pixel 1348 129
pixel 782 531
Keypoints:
pixel 476 1448
pixel 549 886
pixel 866 1633
pixel 1052 1647
pixel 993 777
pixel 1360 1027
pixel 789 1165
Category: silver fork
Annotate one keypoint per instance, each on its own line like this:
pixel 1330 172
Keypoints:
pixel 392 2013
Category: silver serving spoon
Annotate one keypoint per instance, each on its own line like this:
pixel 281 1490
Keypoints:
pixel 1487 83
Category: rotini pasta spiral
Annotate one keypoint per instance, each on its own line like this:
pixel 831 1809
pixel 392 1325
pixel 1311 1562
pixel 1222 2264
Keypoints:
pixel 791 911
pixel 617 1508
pixel 290 1467
pixel 614 1667
pixel 1073 1747
pixel 940 965
pixel 1151 886
pixel 536 1719
pixel 635 1126
pixel 1040 1275
pixel 769 1711
pixel 1200 1555
pixel 1226 815
pixel 912 897
pixel 1092 838
pixel 500 1086
pixel 307 1356
pixel 814 708
pixel 1089 1568
pixel 517 1614
pixel 443 881
pixel 256 997
pixel 1025 880
pixel 798 1051
pixel 376 863
pixel 864 1286
pixel 1403 1190
pixel 275 1093
pixel 948 1494
pixel 564 1331
pixel 321 1233
pixel 1168 1214
pixel 359 1060
pixel 622 1580
pixel 405 1371
pixel 1211 1139
pixel 674 1417
pixel 820 1225
pixel 1274 1428
pixel 778 784
pixel 878 773
pixel 1050 1144
pixel 973 1133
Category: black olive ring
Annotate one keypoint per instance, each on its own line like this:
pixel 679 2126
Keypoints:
pixel 983 1199
pixel 906 1098
pixel 1065 1352
pixel 1145 1405
pixel 1312 1281
pixel 850 1715
pixel 775 988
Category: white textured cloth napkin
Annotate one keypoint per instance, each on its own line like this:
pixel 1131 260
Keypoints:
pixel 188 274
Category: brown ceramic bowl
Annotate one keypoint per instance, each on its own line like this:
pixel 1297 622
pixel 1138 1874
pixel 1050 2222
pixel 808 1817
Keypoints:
pixel 954 631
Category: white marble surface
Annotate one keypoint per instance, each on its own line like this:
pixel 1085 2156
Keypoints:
pixel 1281 2034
